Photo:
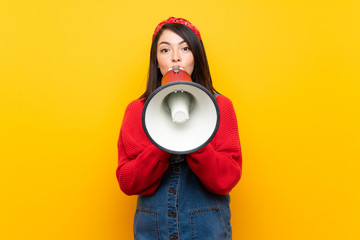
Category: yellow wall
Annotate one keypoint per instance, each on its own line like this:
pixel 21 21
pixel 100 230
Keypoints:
pixel 69 68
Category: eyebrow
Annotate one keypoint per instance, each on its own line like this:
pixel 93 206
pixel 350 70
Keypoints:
pixel 164 42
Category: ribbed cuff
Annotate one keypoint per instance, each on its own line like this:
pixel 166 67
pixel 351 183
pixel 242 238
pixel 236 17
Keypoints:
pixel 206 149
pixel 160 154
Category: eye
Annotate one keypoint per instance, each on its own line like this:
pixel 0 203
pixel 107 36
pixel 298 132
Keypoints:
pixel 186 49
pixel 164 50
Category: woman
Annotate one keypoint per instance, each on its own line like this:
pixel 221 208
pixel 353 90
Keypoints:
pixel 180 196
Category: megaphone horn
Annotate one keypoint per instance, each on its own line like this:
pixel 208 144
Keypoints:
pixel 180 116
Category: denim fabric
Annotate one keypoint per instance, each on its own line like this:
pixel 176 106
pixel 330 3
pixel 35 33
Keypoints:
pixel 182 208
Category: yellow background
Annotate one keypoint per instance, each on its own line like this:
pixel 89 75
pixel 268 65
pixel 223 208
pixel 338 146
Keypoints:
pixel 69 68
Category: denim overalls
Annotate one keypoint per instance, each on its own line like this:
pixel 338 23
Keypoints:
pixel 182 208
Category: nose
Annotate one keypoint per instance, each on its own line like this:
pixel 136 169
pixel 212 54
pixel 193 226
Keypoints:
pixel 176 57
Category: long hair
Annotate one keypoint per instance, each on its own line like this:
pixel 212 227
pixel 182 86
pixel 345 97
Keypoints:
pixel 201 72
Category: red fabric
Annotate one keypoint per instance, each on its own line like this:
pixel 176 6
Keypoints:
pixel 141 164
pixel 179 21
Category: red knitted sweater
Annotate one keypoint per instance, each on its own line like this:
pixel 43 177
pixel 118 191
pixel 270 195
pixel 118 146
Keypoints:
pixel 141 164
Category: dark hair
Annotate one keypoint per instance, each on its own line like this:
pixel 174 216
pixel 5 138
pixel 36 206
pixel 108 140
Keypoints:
pixel 201 72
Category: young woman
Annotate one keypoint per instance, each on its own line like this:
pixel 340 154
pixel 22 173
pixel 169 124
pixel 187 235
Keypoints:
pixel 180 196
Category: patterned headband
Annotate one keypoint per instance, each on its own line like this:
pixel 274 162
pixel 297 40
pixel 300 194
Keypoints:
pixel 179 21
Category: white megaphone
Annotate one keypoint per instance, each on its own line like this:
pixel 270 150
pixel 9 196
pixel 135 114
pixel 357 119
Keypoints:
pixel 180 116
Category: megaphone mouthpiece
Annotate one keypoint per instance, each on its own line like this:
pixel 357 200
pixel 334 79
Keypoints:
pixel 175 73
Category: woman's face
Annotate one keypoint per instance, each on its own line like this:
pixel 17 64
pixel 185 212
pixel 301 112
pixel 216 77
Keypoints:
pixel 173 50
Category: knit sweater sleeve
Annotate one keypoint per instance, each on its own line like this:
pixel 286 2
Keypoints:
pixel 140 163
pixel 219 164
